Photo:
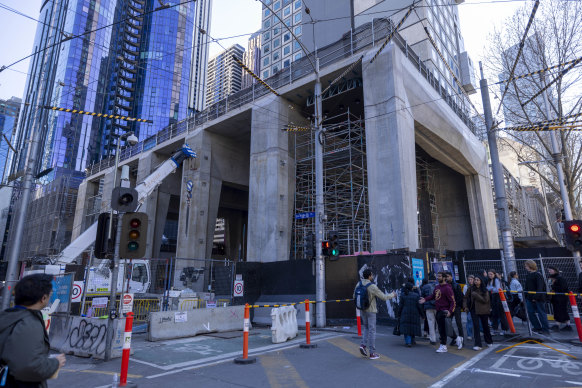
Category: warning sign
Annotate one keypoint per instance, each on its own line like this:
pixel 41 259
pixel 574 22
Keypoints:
pixel 238 288
pixel 127 303
pixel 77 292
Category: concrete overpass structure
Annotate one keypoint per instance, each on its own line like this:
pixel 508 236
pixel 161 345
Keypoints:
pixel 245 171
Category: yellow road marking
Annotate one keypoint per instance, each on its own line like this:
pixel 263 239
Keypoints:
pixel 102 372
pixel 399 371
pixel 280 372
pixel 539 343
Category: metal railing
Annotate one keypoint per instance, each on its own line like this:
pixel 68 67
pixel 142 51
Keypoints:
pixel 352 42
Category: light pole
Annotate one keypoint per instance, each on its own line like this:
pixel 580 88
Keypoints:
pixel 132 140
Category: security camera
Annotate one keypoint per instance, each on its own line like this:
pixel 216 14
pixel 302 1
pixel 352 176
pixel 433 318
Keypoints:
pixel 132 140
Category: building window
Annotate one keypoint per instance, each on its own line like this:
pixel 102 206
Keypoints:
pixel 266 36
pixel 275 69
pixel 266 13
pixel 277 5
pixel 266 49
pixel 287 50
pixel 288 22
pixel 285 2
pixel 276 42
pixel 297 4
pixel 297 56
pixel 286 37
pixel 298 30
pixel 266 74
pixel 267 24
pixel 266 61
pixel 276 55
pixel 276 30
pixel 287 11
pixel 286 63
pixel 297 18
pixel 296 46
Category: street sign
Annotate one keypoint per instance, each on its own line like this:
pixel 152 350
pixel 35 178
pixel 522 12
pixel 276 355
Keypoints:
pixel 189 186
pixel 210 304
pixel 127 305
pixel 77 292
pixel 300 216
pixel 99 302
pixel 238 288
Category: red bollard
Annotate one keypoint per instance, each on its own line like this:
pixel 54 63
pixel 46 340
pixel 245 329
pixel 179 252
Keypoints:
pixel 307 344
pixel 576 314
pixel 126 349
pixel 506 309
pixel 359 321
pixel 247 324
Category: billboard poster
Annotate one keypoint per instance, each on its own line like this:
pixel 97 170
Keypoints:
pixel 417 271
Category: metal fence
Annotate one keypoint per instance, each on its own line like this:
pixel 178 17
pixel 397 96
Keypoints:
pixel 353 42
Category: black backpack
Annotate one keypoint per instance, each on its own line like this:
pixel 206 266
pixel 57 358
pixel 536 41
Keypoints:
pixel 362 300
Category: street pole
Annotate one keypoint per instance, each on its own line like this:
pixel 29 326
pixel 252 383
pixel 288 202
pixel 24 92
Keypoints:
pixel 498 180
pixel 11 271
pixel 557 158
pixel 319 208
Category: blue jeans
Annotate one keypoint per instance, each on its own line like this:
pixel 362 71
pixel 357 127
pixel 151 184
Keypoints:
pixel 408 339
pixel 537 315
pixel 469 325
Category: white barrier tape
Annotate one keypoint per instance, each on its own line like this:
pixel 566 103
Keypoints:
pixel 575 312
pixel 247 325
pixel 127 340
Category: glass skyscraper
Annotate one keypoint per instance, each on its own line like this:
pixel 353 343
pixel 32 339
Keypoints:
pixel 120 57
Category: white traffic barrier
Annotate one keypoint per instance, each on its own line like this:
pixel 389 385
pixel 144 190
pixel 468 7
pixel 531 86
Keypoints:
pixel 284 324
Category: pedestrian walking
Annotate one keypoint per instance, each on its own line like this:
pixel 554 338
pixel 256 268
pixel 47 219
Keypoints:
pixel 430 310
pixel 477 302
pixel 497 313
pixel 469 319
pixel 367 291
pixel 559 301
pixel 24 342
pixel 516 306
pixel 535 302
pixel 458 292
pixel 409 313
pixel 445 306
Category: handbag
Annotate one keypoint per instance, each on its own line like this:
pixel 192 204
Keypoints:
pixel 396 329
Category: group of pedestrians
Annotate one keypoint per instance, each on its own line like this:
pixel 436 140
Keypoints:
pixel 440 305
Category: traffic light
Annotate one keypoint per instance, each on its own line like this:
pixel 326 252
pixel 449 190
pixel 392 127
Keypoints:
pixel 309 246
pixel 102 246
pixel 573 234
pixel 124 199
pixel 334 244
pixel 325 248
pixel 134 230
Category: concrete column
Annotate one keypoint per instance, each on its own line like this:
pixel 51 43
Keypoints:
pixel 108 186
pixel 79 224
pixel 390 153
pixel 271 181
pixel 482 211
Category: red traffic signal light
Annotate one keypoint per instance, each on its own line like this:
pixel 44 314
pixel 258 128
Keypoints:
pixel 572 234
pixel 325 248
pixel 575 228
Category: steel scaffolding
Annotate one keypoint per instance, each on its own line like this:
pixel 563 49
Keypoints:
pixel 428 218
pixel 345 188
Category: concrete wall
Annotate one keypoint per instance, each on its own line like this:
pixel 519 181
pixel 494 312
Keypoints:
pixel 166 325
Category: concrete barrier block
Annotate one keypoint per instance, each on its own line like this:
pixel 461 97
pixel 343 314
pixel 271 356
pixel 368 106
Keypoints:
pixel 164 325
pixel 86 337
pixel 262 316
pixel 284 324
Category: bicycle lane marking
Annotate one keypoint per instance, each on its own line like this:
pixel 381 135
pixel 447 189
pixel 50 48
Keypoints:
pixel 529 364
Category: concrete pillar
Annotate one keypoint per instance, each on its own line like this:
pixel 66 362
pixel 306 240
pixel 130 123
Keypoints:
pixel 390 153
pixel 197 218
pixel 482 211
pixel 79 224
pixel 271 181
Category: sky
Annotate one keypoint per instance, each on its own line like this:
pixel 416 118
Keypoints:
pixel 229 18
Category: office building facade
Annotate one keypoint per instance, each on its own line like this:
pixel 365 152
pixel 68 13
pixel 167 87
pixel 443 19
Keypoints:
pixel 9 110
pixel 224 74
pixel 252 59
pixel 196 102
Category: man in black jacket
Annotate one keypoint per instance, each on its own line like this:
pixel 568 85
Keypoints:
pixel 536 303
pixel 24 342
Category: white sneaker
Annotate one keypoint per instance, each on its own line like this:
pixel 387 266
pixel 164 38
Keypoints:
pixel 476 347
pixel 490 345
pixel 459 342
pixel 469 338
pixel 442 349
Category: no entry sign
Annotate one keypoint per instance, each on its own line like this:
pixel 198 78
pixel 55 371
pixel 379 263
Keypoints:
pixel 238 288
pixel 127 303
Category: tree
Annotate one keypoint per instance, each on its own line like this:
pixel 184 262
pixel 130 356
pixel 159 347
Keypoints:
pixel 555 37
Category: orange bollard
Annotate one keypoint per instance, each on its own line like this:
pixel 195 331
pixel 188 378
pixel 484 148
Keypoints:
pixel 506 309
pixel 359 322
pixel 126 350
pixel 307 344
pixel 247 324
pixel 576 315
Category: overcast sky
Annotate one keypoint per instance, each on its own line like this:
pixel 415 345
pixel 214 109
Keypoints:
pixel 229 18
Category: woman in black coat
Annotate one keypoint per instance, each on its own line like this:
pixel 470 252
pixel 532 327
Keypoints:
pixel 559 302
pixel 409 313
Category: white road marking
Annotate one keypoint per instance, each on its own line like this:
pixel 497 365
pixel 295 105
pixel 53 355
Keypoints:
pixel 462 368
pixel 228 357
pixel 544 359
pixel 495 373
pixel 573 382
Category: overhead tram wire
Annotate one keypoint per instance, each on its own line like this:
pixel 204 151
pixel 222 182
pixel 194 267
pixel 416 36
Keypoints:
pixel 558 77
pixel 521 45
pixel 577 61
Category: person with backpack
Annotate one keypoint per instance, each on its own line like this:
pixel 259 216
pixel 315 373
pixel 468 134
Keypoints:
pixel 430 309
pixel 559 301
pixel 497 313
pixel 409 313
pixel 24 342
pixel 458 292
pixel 536 302
pixel 516 305
pixel 365 296
pixel 476 301
pixel 445 306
